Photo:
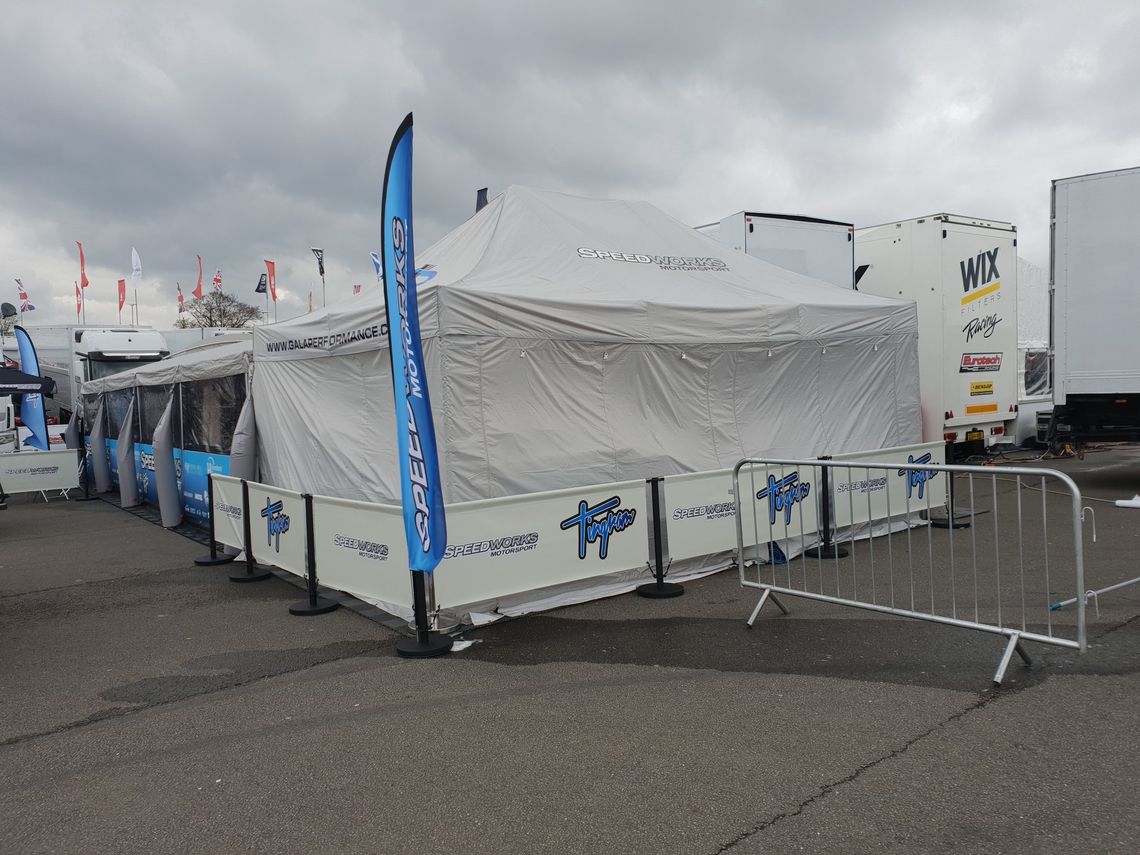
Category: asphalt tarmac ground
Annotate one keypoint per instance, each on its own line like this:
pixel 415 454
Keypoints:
pixel 151 705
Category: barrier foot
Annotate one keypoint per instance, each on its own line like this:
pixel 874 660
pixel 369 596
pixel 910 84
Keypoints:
pixel 257 573
pixel 213 560
pixel 316 606
pixel 767 595
pixel 1013 644
pixel 424 645
pixel 828 550
pixel 660 590
pixel 86 498
pixel 956 521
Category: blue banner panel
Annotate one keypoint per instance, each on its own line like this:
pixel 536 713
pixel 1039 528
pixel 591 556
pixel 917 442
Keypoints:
pixel 194 468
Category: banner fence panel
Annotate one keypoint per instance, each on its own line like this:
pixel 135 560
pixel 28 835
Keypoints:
pixel 361 550
pixel 277 523
pixel 500 547
pixel 228 511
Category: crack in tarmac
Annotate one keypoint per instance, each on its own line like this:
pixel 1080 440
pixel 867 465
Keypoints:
pixel 830 787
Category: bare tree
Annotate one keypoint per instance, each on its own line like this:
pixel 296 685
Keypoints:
pixel 217 309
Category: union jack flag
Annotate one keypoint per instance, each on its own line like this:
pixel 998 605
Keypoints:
pixel 25 303
pixel 356 289
pixel 218 280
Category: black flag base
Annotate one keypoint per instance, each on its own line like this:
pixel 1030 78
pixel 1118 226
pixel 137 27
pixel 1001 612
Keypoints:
pixel 314 606
pixel 424 645
pixel 827 550
pixel 214 560
pixel 253 573
pixel 956 521
pixel 660 590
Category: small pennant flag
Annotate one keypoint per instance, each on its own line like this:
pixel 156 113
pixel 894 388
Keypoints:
pixel 261 286
pixel 356 289
pixel 379 266
pixel 25 303
pixel 271 267
pixel 181 301
pixel 136 268
pixel 198 288
pixel 122 293
pixel 218 280
pixel 320 254
pixel 82 266
pixel 78 301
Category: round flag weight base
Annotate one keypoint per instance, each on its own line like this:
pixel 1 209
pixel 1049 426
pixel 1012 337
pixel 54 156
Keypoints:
pixel 950 522
pixel 426 645
pixel 664 591
pixel 259 575
pixel 320 607
pixel 829 551
pixel 212 561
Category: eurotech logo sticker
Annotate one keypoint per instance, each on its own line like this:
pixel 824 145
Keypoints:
pixel 784 494
pixel 276 522
pixel 974 362
pixel 597 523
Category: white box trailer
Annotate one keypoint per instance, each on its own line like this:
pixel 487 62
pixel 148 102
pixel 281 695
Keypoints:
pixel 1095 271
pixel 72 355
pixel 962 273
pixel 818 248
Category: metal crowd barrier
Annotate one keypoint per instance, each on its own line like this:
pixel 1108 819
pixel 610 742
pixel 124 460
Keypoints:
pixel 995 575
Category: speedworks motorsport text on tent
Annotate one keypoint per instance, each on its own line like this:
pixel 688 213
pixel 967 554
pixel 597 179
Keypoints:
pixel 687 263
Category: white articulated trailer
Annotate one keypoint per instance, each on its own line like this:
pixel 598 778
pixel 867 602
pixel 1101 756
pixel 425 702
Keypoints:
pixel 72 355
pixel 821 249
pixel 962 274
pixel 1095 267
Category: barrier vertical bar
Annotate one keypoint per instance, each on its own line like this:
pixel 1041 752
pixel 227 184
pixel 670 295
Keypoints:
pixel 658 589
pixel 213 558
pixel 827 549
pixel 253 572
pixel 315 605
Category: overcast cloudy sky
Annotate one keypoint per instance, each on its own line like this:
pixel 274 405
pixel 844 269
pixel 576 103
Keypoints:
pixel 252 130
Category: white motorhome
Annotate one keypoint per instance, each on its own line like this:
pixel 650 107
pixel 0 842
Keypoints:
pixel 962 274
pixel 72 355
pixel 1095 268
pixel 821 249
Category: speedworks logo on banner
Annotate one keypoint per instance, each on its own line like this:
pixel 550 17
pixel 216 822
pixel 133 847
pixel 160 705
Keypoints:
pixel 596 523
pixel 495 547
pixel 363 547
pixel 687 263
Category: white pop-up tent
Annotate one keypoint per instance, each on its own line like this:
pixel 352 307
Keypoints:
pixel 577 341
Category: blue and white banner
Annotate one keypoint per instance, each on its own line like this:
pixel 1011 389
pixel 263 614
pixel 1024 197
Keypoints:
pixel 422 497
pixel 32 405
